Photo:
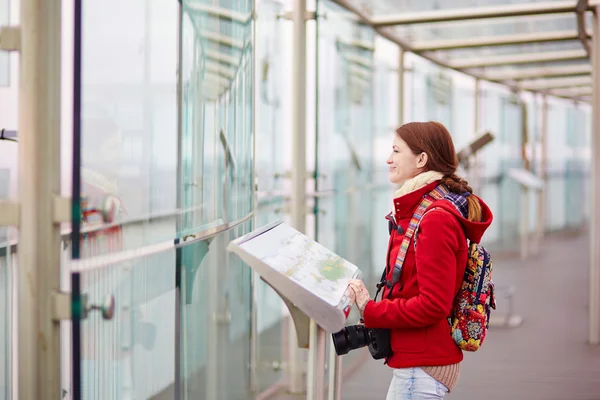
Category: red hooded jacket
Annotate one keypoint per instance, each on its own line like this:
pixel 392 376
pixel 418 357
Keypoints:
pixel 418 307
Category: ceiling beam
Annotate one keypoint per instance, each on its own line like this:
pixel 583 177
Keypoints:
pixel 406 46
pixel 544 72
pixel 462 14
pixel 497 40
pixel 219 69
pixel 222 57
pixel 521 58
pixel 222 13
pixel 572 92
pixel 557 83
pixel 223 39
pixel 361 44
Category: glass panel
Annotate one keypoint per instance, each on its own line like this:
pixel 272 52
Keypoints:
pixel 345 140
pixel 558 149
pixel 272 86
pixel 7 288
pixel 216 320
pixel 431 93
pixel 270 310
pixel 217 112
pixel 386 118
pixel 129 119
pixel 7 318
pixel 131 356
pixel 502 116
pixel 576 168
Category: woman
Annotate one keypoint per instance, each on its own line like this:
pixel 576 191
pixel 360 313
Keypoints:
pixel 425 359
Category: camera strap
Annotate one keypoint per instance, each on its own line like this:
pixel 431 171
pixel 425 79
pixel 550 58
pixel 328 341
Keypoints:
pixel 436 194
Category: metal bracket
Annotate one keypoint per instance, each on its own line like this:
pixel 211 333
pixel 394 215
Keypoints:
pixel 62 209
pixel 9 213
pixel 10 38
pixel 61 306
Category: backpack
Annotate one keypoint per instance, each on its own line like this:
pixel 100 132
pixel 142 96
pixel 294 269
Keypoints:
pixel 470 314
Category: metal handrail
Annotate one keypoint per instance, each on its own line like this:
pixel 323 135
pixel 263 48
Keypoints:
pixel 89 264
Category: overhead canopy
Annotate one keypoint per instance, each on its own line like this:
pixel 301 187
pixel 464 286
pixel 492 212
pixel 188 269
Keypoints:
pixel 536 46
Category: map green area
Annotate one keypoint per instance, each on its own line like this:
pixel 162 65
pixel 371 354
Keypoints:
pixel 313 266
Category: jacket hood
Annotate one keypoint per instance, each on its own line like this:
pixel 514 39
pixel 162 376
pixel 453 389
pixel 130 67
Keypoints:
pixel 473 230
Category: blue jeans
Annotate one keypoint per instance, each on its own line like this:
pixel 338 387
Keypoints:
pixel 415 384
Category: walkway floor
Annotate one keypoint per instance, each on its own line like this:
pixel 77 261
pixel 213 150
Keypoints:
pixel 547 357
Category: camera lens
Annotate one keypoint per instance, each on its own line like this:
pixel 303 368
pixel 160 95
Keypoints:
pixel 350 338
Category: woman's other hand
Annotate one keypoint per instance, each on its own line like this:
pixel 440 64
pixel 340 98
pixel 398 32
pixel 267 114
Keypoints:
pixel 361 294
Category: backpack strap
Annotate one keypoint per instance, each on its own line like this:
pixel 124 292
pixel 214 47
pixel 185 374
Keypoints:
pixel 436 194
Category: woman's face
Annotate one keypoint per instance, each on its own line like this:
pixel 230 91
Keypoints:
pixel 403 163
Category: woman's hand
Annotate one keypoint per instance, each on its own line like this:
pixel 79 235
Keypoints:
pixel 361 294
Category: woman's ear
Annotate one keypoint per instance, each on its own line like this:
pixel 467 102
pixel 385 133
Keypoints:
pixel 422 160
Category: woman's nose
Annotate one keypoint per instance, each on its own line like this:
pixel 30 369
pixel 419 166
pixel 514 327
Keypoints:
pixel 389 160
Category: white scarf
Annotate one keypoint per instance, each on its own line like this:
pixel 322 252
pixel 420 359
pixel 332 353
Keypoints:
pixel 417 182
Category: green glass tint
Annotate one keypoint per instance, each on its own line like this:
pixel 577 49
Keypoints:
pixel 216 320
pixel 217 112
pixel 7 318
pixel 345 137
pixel 132 355
pixel 272 56
pixel 163 177
pixel 129 121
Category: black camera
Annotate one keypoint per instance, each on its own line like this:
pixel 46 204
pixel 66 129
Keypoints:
pixel 356 336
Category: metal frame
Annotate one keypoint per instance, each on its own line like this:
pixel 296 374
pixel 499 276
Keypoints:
pixel 224 13
pixel 461 14
pixel 39 354
pixel 572 92
pixel 580 9
pixel 545 72
pixel 425 49
pixel 520 58
pixel 594 301
pixel 499 40
pixel 556 83
pixel 298 203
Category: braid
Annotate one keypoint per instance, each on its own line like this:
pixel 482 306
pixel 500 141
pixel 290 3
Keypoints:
pixel 456 184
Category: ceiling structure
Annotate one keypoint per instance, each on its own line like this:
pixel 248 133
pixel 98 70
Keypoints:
pixel 542 47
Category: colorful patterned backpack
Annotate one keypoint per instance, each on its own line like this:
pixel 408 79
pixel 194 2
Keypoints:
pixel 470 315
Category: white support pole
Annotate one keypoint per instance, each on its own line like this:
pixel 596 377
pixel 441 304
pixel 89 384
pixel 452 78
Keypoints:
pixel 594 308
pixel 474 160
pixel 401 73
pixel 525 190
pixel 541 208
pixel 39 183
pixel 315 377
pixel 334 390
pixel 298 203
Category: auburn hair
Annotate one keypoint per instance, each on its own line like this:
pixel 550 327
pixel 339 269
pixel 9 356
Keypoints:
pixel 433 139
